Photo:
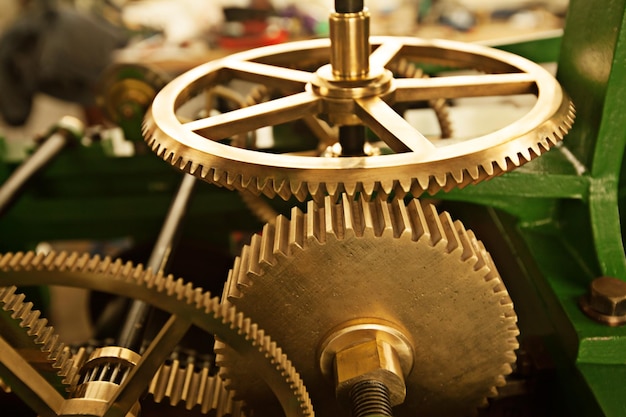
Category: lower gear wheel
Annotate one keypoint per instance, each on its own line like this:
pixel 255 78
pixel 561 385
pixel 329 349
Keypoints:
pixel 402 268
pixel 186 305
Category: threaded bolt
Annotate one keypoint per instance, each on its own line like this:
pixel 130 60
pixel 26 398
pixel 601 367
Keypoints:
pixel 369 398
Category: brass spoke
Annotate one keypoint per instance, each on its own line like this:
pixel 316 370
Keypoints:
pixel 385 53
pixel 269 113
pixel 391 127
pixel 32 388
pixel 154 356
pixel 325 133
pixel 418 89
pixel 265 74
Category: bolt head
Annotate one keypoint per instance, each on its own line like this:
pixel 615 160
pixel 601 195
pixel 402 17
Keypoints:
pixel 606 301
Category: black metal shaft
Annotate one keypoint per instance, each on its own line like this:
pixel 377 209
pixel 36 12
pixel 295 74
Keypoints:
pixel 370 398
pixel 348 6
pixel 352 140
pixel 132 332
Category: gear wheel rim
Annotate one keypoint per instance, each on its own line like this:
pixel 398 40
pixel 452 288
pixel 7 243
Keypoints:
pixel 443 168
pixel 272 259
pixel 171 295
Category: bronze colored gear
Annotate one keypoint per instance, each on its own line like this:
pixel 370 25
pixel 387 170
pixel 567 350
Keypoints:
pixel 127 89
pixel 418 165
pixel 195 388
pixel 187 306
pixel 401 264
pixel 29 334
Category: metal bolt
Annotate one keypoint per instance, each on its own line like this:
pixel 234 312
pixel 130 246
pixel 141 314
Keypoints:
pixel 370 398
pixel 606 301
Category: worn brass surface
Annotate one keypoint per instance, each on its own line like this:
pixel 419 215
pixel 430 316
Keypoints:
pixel 187 306
pixel 406 265
pixel 418 165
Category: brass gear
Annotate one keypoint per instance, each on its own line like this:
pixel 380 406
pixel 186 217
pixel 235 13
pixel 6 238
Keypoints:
pixel 29 334
pixel 418 165
pixel 393 262
pixel 126 90
pixel 195 388
pixel 187 306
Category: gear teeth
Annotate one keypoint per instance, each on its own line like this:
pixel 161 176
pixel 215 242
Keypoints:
pixel 196 388
pixel 192 301
pixel 52 358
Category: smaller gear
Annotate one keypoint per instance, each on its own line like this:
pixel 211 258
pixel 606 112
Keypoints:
pixel 344 270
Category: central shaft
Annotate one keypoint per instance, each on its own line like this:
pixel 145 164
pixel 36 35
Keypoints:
pixel 349 40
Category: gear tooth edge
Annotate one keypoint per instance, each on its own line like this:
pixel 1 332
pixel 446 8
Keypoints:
pixel 283 189
pixel 296 230
pixel 401 223
pixel 334 219
pixel 268 188
pixel 357 213
pixel 369 188
pixel 314 188
pixel 232 178
pixel 469 253
pixel 489 168
pixel 300 190
pixel 281 236
pixel 371 221
pixel 387 186
pixel 417 220
pixel 351 224
pixel 255 252
pixel 314 222
pixel 14 260
pixel 350 188
pixel 331 188
pixel 452 237
pixel 266 246
pixel 435 229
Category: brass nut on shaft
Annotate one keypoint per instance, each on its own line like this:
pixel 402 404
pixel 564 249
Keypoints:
pixel 606 301
pixel 374 360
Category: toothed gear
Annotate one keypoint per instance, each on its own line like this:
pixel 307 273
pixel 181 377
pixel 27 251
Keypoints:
pixel 187 306
pixel 195 388
pixel 30 334
pixel 418 165
pixel 400 263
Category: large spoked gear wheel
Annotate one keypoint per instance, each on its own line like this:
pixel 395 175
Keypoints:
pixel 322 98
pixel 187 307
pixel 313 279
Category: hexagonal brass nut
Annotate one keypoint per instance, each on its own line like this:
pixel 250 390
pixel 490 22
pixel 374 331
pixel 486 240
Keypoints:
pixel 371 360
pixel 606 301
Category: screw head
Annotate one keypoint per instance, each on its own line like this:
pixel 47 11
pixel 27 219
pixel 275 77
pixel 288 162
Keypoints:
pixel 606 301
